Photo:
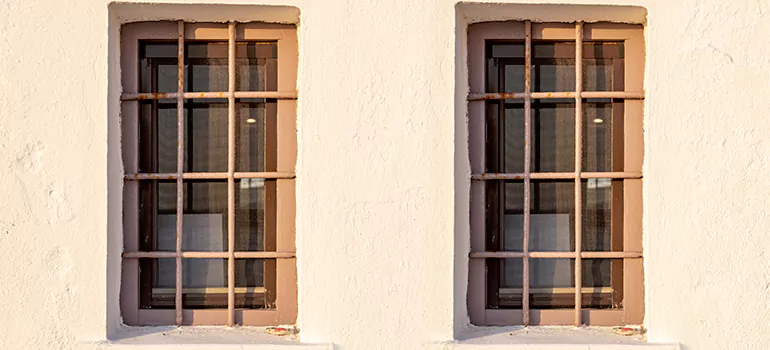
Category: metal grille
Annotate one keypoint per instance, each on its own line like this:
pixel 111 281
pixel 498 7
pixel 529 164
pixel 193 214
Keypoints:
pixel 527 96
pixel 180 175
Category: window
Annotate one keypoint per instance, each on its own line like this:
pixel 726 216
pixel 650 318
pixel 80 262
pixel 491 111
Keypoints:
pixel 209 148
pixel 556 160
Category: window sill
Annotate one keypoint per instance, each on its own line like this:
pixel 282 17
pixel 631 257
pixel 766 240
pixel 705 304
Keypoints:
pixel 194 338
pixel 549 338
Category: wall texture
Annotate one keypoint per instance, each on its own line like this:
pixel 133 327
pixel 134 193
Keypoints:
pixel 382 175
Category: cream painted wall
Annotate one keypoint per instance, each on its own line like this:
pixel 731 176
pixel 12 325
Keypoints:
pixel 382 175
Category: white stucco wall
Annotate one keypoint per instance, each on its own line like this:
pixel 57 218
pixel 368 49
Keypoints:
pixel 382 173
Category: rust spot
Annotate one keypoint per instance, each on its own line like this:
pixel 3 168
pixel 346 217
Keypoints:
pixel 170 177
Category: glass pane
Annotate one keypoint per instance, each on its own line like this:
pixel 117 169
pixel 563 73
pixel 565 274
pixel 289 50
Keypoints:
pixel 505 67
pixel 514 136
pixel 206 75
pixel 204 283
pixel 598 144
pixel 602 215
pixel 254 200
pixel 552 283
pixel 256 67
pixel 157 216
pixel 553 136
pixel 553 67
pixel 205 136
pixel 205 216
pixel 602 283
pixel 514 76
pixel 158 137
pixel 255 135
pixel 511 284
pixel 603 66
pixel 254 283
pixel 157 282
pixel 513 224
pixel 552 218
pixel 158 67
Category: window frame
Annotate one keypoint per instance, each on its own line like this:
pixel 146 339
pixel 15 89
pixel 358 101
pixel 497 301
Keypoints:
pixel 633 95
pixel 284 247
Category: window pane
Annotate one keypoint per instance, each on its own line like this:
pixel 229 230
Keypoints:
pixel 603 66
pixel 256 67
pixel 205 216
pixel 514 136
pixel 157 216
pixel 158 137
pixel 204 282
pixel 255 203
pixel 602 215
pixel 505 67
pixel 602 139
pixel 256 135
pixel 552 219
pixel 553 136
pixel 206 136
pixel 602 283
pixel 512 283
pixel 254 283
pixel 553 67
pixel 513 224
pixel 552 283
pixel 157 283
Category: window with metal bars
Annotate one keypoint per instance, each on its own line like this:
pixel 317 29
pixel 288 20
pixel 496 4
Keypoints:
pixel 209 149
pixel 556 146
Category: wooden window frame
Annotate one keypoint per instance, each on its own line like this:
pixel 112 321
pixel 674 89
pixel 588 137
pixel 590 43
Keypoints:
pixel 632 93
pixel 281 251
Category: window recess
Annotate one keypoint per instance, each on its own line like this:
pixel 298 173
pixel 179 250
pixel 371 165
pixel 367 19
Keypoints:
pixel 209 148
pixel 556 157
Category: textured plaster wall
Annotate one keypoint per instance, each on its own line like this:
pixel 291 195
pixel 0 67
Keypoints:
pixel 382 171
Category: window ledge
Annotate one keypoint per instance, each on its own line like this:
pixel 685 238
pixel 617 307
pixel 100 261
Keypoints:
pixel 195 338
pixel 549 338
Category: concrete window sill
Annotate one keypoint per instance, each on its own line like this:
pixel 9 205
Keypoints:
pixel 549 338
pixel 195 338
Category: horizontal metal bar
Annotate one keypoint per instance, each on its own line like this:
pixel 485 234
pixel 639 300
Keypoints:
pixel 557 290
pixel 591 175
pixel 213 176
pixel 211 255
pixel 209 290
pixel 265 175
pixel 628 95
pixel 279 95
pixel 612 175
pixel 556 255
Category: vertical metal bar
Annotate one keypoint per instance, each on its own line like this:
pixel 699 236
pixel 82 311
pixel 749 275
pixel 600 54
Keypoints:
pixel 230 174
pixel 527 162
pixel 578 169
pixel 179 169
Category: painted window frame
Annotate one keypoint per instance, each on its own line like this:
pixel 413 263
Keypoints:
pixel 283 248
pixel 633 281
